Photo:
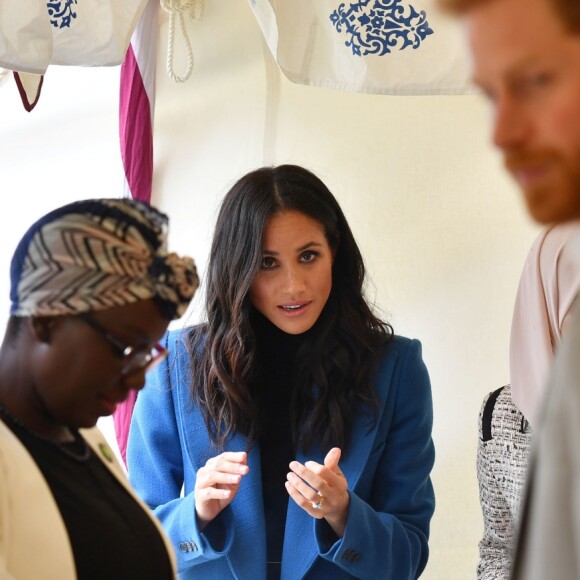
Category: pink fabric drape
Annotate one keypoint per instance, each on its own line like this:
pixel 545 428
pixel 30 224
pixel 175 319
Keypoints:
pixel 136 106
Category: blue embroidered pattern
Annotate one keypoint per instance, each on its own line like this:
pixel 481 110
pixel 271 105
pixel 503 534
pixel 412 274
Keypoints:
pixel 61 12
pixel 380 26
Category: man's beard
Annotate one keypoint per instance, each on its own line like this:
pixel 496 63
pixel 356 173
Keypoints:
pixel 551 183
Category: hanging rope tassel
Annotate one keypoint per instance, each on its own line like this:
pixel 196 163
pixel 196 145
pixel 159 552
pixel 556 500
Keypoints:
pixel 176 9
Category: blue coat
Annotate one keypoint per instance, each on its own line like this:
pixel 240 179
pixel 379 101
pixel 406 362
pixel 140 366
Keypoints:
pixel 387 469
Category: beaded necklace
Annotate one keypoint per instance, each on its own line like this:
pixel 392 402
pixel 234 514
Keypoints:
pixel 78 449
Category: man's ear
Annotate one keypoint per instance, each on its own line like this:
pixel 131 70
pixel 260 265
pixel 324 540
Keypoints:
pixel 42 327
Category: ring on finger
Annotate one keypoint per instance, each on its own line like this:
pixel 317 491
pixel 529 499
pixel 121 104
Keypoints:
pixel 318 504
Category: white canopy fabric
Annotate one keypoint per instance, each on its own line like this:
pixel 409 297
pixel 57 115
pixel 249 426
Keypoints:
pixel 35 34
pixel 394 47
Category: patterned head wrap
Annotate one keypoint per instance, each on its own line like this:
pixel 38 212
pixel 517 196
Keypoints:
pixel 97 254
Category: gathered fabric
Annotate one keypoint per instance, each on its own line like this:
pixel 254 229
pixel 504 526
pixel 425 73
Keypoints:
pixel 548 285
pixel 98 254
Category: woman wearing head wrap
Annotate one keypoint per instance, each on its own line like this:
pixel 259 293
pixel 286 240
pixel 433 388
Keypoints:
pixel 92 291
pixel 548 285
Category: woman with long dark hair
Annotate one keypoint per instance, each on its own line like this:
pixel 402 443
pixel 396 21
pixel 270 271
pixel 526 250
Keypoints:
pixel 297 424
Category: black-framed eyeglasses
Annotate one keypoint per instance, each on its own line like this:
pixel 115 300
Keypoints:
pixel 132 359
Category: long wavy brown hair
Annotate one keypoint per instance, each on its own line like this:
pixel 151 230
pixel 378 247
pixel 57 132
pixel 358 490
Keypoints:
pixel 340 358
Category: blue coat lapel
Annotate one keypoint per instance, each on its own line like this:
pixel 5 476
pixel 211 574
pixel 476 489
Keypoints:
pixel 300 549
pixel 248 558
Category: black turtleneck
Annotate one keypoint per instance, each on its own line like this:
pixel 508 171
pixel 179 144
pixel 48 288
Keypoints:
pixel 273 387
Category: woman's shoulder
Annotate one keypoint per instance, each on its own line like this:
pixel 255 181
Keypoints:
pixel 499 403
pixel 402 379
pixel 500 416
pixel 398 345
pixel 14 456
pixel 177 339
pixel 8 441
pixel 401 362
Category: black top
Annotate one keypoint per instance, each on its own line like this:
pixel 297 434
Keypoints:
pixel 111 536
pixel 276 355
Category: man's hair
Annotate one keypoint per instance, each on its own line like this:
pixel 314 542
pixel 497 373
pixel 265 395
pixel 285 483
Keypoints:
pixel 568 11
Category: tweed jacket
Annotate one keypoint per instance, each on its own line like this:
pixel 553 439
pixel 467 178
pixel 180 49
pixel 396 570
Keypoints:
pixel 34 543
pixel 387 467
pixel 502 460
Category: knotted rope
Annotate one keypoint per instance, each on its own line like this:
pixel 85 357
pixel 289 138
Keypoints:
pixel 176 9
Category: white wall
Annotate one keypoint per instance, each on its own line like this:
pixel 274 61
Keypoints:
pixel 443 231
pixel 66 149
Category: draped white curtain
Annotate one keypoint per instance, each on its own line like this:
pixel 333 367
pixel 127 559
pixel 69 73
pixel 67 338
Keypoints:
pixel 395 47
pixel 34 34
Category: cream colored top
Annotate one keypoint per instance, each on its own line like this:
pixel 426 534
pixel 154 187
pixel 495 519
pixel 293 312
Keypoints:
pixel 34 542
